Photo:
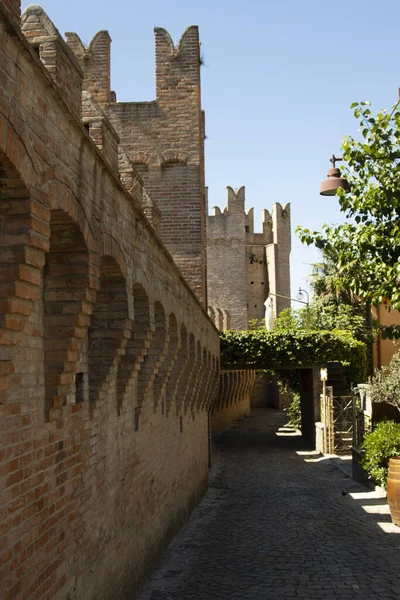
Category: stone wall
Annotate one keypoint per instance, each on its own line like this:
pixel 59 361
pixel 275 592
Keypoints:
pixel 243 267
pixel 233 400
pixel 108 363
pixel 164 139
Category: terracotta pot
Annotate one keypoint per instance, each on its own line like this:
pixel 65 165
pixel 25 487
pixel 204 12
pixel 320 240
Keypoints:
pixel 393 489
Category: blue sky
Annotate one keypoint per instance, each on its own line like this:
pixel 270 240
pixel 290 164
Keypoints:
pixel 278 80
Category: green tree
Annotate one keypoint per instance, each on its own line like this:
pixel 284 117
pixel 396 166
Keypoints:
pixel 367 245
pixel 325 317
pixel 327 283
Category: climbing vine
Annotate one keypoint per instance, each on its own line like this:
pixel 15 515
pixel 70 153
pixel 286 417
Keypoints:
pixel 290 349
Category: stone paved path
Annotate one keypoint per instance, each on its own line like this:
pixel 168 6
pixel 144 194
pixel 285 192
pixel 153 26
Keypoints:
pixel 279 523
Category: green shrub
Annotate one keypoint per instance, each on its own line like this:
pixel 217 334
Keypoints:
pixel 385 383
pixel 293 411
pixel 379 445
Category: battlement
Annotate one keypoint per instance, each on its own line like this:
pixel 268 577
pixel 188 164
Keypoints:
pixel 177 68
pixel 244 266
pixel 275 224
pixel 280 219
pixel 95 61
pixel 55 54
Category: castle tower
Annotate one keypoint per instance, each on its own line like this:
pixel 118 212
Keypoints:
pixel 164 139
pixel 244 266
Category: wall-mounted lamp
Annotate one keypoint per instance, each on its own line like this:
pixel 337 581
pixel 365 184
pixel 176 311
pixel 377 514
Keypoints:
pixel 300 296
pixel 330 186
pixel 323 373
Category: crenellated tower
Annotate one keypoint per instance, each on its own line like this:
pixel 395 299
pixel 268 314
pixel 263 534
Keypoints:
pixel 245 266
pixel 163 139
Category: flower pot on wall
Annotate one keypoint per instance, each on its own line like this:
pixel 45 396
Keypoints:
pixel 393 489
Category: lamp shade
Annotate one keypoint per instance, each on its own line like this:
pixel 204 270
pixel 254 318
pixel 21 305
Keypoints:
pixel 333 183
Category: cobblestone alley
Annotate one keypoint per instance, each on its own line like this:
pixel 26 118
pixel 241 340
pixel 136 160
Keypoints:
pixel 279 522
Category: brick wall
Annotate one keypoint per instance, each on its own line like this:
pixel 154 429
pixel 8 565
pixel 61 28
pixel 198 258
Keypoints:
pixel 233 400
pixel 164 139
pixel 244 266
pixel 14 8
pixel 108 363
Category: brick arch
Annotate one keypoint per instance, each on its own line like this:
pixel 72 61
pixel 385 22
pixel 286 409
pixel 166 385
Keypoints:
pixel 190 374
pixel 178 370
pixel 60 197
pixel 136 347
pixel 163 374
pixel 197 377
pixel 144 158
pixel 214 380
pixel 109 326
pixel 171 156
pixel 110 248
pixel 209 381
pixel 13 149
pixel 69 291
pixel 203 380
pixel 156 356
pixel 24 237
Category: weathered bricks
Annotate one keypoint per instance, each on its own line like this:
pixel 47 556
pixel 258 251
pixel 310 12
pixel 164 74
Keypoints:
pixel 89 495
pixel 164 140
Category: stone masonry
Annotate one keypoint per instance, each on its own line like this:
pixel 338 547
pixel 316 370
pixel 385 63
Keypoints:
pixel 108 363
pixel 280 523
pixel 243 267
pixel 163 139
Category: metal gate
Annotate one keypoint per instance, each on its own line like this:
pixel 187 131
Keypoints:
pixel 337 416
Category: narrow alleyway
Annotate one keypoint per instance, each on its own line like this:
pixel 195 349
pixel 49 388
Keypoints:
pixel 279 522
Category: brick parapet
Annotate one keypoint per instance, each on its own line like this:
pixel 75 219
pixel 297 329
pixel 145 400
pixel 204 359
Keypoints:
pixel 55 54
pixel 79 260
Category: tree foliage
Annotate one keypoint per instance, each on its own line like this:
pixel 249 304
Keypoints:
pixel 326 283
pixel 326 317
pixel 367 245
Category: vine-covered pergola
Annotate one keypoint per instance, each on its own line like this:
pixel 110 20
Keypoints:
pixel 303 350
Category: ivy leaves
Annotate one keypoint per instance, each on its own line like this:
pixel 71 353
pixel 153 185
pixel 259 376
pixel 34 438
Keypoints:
pixel 271 350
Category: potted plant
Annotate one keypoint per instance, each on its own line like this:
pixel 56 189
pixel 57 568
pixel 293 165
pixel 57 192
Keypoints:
pixel 381 460
pixel 382 446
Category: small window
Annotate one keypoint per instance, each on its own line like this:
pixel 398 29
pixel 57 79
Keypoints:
pixel 251 282
pixel 247 229
pixel 262 283
pixel 79 387
pixel 255 306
